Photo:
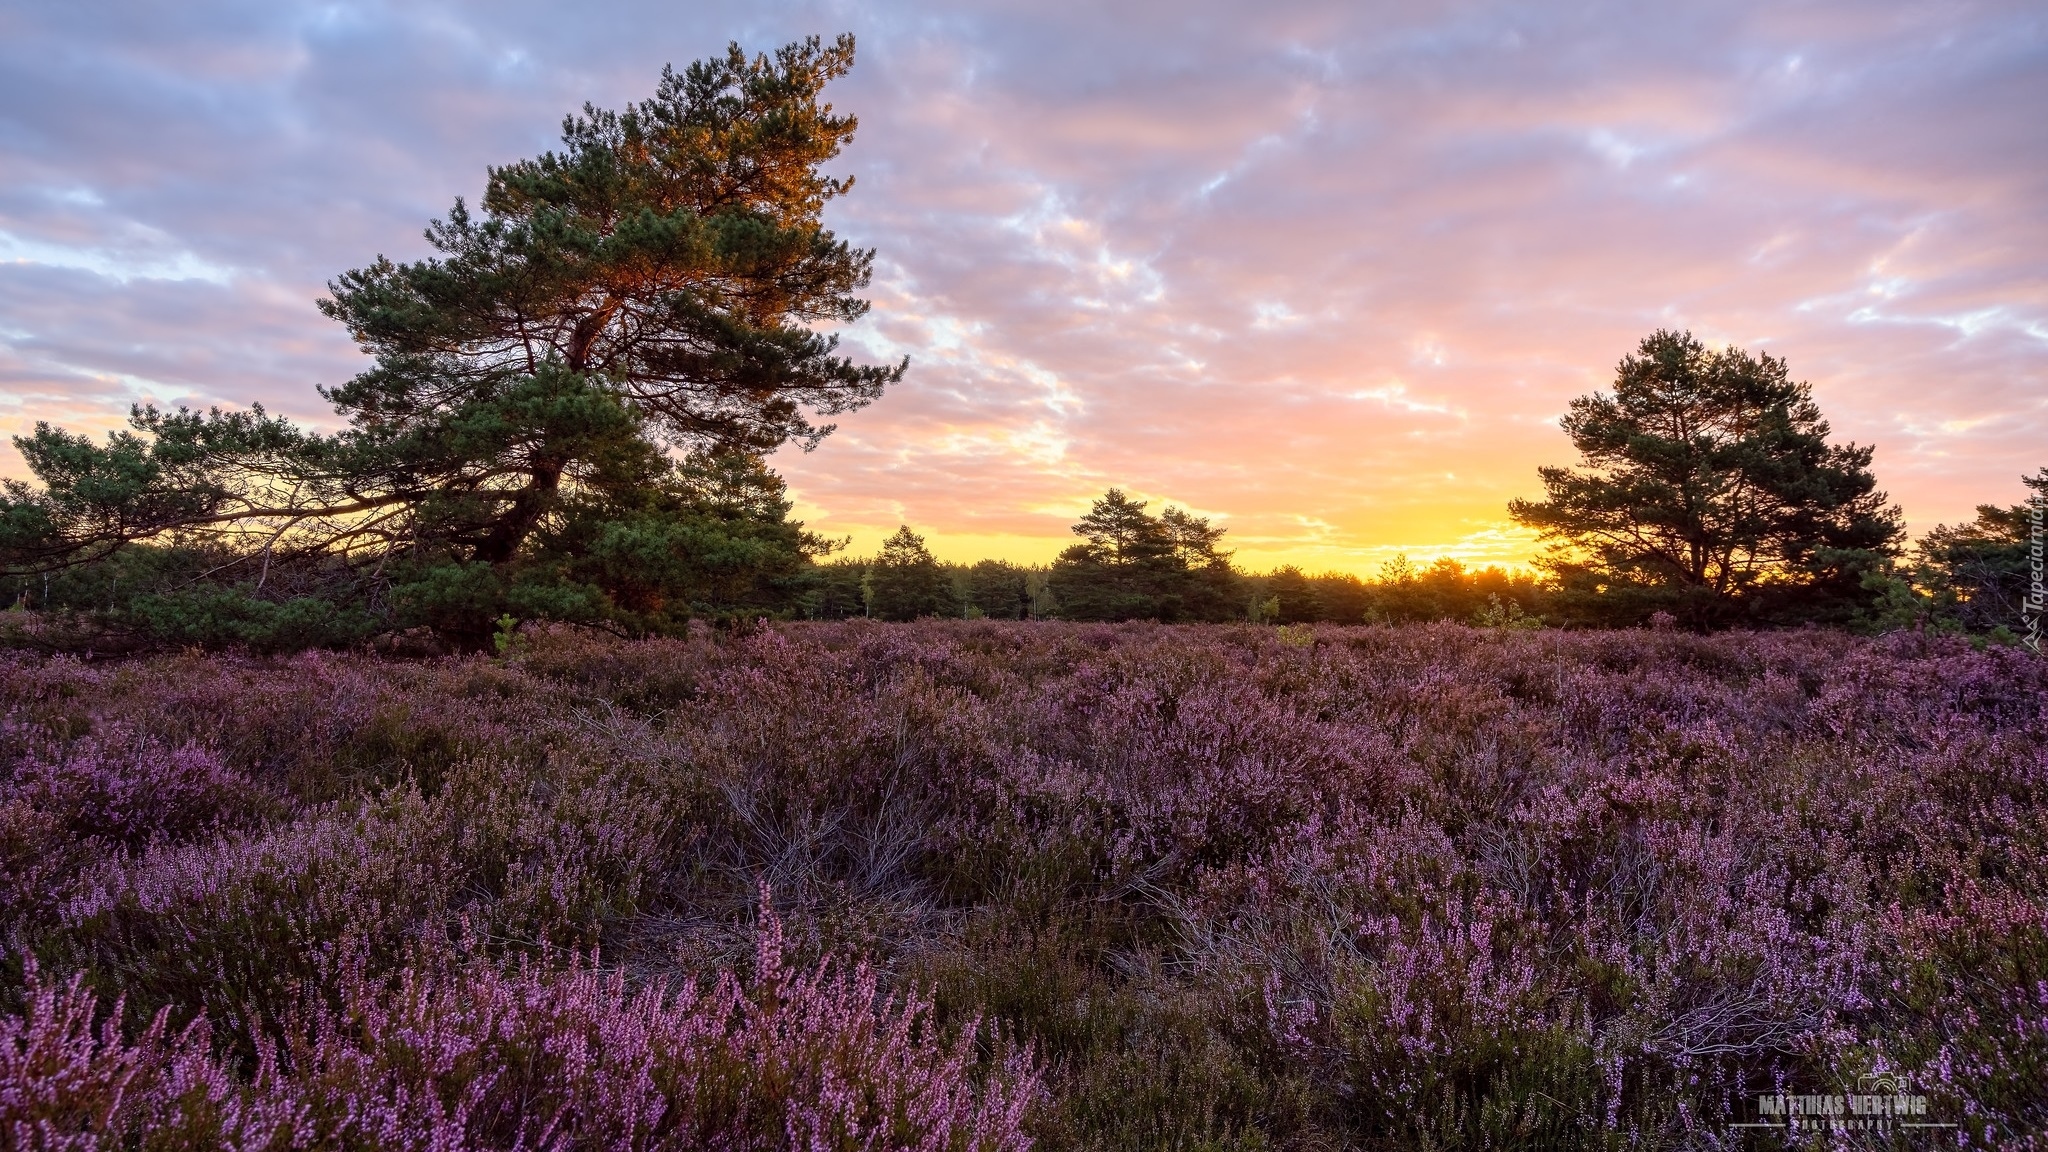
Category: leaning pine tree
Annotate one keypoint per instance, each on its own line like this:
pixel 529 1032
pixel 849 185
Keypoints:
pixel 1709 490
pixel 567 413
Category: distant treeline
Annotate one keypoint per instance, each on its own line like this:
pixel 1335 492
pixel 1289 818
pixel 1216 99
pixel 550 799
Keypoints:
pixel 1134 566
pixel 1975 578
pixel 1128 564
pixel 1402 592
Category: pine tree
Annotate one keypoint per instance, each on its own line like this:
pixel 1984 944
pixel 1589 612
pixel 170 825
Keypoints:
pixel 905 582
pixel 1709 490
pixel 1979 576
pixel 656 285
pixel 1131 566
pixel 1299 603
pixel 999 590
pixel 1209 588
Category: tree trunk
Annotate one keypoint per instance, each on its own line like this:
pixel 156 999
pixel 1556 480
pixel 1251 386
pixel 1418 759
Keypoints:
pixel 533 501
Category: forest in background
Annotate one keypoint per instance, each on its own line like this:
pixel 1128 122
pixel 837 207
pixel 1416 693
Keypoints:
pixel 1972 579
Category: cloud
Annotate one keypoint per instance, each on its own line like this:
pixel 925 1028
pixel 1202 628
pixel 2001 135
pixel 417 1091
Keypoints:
pixel 1327 272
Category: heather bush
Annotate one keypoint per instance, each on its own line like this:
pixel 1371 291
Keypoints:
pixel 1372 887
pixel 449 1058
pixel 129 791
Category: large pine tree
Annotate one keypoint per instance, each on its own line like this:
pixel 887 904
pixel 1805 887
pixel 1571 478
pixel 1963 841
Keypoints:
pixel 1708 489
pixel 568 406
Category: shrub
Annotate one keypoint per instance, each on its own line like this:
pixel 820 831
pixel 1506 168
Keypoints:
pixel 476 1057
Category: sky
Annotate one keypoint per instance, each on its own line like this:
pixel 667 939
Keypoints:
pixel 1328 272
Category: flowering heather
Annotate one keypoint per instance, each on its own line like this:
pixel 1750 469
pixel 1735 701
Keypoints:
pixel 969 885
pixel 477 1058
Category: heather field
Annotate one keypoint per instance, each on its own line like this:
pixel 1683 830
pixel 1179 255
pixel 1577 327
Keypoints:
pixel 977 885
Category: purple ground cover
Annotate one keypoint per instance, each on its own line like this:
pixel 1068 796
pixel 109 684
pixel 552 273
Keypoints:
pixel 978 886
